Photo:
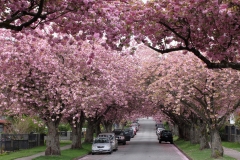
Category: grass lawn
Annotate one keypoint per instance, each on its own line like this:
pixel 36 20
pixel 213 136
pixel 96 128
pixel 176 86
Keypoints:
pixel 232 145
pixel 193 151
pixel 69 154
pixel 28 152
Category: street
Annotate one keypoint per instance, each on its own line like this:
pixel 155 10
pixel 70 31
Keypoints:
pixel 144 146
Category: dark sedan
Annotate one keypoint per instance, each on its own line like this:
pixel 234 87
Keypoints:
pixel 128 132
pixel 120 136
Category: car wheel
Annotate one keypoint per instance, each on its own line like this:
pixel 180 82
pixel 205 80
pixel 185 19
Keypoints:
pixel 171 142
pixel 160 141
pixel 124 143
pixel 93 153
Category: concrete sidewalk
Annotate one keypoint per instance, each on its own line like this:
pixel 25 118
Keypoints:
pixel 42 153
pixel 231 153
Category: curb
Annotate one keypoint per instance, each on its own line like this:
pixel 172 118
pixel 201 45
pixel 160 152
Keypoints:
pixel 82 156
pixel 182 152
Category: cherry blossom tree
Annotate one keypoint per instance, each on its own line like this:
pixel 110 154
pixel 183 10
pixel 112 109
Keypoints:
pixel 111 87
pixel 211 95
pixel 41 79
pixel 207 29
pixel 19 15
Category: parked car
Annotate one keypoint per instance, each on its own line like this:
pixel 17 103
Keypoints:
pixel 102 145
pixel 135 121
pixel 112 137
pixel 131 131
pixel 158 131
pixel 136 125
pixel 134 130
pixel 120 136
pixel 166 136
pixel 159 125
pixel 127 134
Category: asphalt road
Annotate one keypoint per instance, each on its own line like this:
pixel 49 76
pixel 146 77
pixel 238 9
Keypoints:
pixel 144 146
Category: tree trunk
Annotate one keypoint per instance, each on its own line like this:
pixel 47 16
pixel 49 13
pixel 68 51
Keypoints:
pixel 52 141
pixel 194 134
pixel 216 144
pixel 97 128
pixel 175 130
pixel 107 126
pixel 203 137
pixel 77 132
pixel 184 132
pixel 180 132
pixel 90 131
pixel 76 135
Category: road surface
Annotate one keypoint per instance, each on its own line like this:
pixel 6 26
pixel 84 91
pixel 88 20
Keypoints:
pixel 144 146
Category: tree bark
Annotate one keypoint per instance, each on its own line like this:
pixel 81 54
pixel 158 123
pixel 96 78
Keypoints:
pixel 184 132
pixel 180 132
pixel 107 126
pixel 90 131
pixel 216 144
pixel 194 134
pixel 76 135
pixel 175 130
pixel 97 128
pixel 52 141
pixel 77 132
pixel 203 137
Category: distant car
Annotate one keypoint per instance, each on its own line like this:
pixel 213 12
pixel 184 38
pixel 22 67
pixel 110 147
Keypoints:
pixel 136 125
pixel 166 136
pixel 102 145
pixel 134 130
pixel 120 136
pixel 128 134
pixel 159 125
pixel 158 131
pixel 131 131
pixel 112 137
pixel 135 121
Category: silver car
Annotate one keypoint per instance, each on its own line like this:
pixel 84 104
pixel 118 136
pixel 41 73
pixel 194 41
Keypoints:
pixel 102 145
pixel 112 137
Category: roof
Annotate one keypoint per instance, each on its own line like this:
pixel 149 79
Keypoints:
pixel 107 133
pixel 3 121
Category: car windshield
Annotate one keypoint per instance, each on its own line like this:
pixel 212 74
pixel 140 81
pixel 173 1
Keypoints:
pixel 104 135
pixel 118 132
pixel 101 141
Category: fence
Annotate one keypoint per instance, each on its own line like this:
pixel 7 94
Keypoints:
pixel 12 142
pixel 231 134
pixel 67 135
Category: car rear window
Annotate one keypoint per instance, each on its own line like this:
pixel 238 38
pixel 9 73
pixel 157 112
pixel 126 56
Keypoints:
pixel 101 141
pixel 166 133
